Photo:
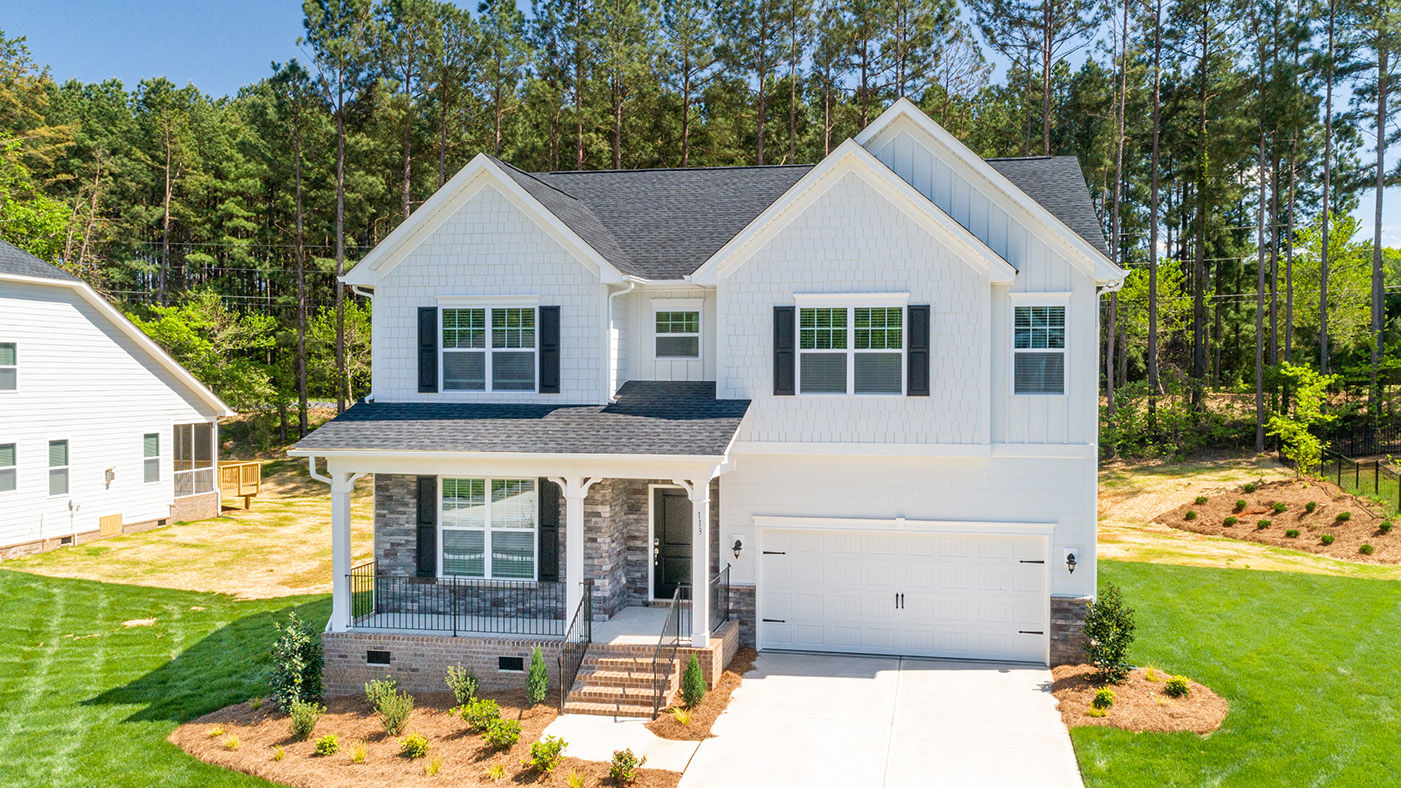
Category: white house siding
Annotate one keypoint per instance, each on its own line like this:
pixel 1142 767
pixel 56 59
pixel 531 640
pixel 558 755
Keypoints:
pixel 489 247
pixel 986 489
pixel 853 240
pixel 1013 232
pixel 82 379
pixel 641 349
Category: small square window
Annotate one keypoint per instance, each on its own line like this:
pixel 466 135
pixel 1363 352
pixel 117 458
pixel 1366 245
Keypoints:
pixel 376 657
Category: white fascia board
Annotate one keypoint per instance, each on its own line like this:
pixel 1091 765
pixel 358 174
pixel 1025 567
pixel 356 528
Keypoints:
pixel 918 451
pixel 900 524
pixel 849 157
pixel 136 335
pixel 480 172
pixel 1101 267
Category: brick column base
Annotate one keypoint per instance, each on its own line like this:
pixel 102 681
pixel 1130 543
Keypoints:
pixel 1067 629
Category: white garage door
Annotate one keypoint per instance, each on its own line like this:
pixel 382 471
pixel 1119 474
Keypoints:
pixel 916 594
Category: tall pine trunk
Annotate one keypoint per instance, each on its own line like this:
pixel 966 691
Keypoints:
pixel 1328 75
pixel 1378 272
pixel 1154 385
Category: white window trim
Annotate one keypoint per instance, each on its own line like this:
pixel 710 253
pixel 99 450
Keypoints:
pixel 487 531
pixel 851 299
pixel 158 458
pixel 49 469
pixel 850 350
pixel 679 305
pixel 452 301
pixel 14 366
pixel 14 443
pixel 496 303
pixel 1037 299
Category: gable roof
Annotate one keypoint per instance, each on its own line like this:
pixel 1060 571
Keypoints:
pixel 17 265
pixel 1058 185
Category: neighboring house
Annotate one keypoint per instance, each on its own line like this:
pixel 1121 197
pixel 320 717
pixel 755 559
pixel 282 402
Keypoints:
pixel 101 432
pixel 867 387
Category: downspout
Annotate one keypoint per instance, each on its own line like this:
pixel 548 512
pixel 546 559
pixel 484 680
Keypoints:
pixel 608 390
pixel 370 296
pixel 311 468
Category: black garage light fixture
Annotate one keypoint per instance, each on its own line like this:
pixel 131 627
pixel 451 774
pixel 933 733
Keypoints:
pixel 738 546
pixel 1070 562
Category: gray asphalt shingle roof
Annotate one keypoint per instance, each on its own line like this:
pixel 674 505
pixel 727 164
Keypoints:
pixel 664 223
pixel 649 417
pixel 16 261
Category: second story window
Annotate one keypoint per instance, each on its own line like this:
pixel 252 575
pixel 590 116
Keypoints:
pixel 678 334
pixel 488 349
pixel 9 367
pixel 1038 350
pixel 851 350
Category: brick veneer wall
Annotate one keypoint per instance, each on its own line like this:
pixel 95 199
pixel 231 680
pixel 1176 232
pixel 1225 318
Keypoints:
pixel 195 507
pixel 1067 629
pixel 419 662
pixel 742 611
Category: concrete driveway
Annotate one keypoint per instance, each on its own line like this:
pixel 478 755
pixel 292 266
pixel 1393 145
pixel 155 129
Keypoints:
pixel 826 720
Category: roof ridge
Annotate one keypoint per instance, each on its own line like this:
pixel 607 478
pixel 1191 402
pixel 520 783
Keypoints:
pixel 677 169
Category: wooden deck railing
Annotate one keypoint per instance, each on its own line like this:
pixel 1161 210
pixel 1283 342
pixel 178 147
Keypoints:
pixel 240 479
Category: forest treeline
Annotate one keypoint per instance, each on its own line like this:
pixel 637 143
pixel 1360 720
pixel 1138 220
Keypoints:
pixel 1225 142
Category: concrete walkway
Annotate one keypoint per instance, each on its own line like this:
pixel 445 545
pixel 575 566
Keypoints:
pixel 823 720
pixel 595 738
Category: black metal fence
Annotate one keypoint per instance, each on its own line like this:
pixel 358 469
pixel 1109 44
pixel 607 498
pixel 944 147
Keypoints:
pixel 664 657
pixel 576 644
pixel 1364 439
pixel 1370 478
pixel 454 604
pixel 719 601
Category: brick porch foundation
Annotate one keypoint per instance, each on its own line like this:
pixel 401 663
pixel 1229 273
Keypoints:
pixel 1067 629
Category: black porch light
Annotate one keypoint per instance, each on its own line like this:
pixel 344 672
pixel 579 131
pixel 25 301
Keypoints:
pixel 737 547
pixel 1070 562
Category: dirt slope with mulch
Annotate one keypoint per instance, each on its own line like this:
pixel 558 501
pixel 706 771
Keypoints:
pixel 1361 528
pixel 704 714
pixel 1140 704
pixel 465 758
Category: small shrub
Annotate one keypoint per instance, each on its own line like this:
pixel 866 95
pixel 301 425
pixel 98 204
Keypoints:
pixel 1190 515
pixel 575 780
pixel 1385 527
pixel 502 734
pixel 217 730
pixel 328 745
pixel 1343 517
pixel 462 682
pixel 625 767
pixel 1261 525
pixel 1310 506
pixel 255 704
pixel 296 664
pixel 1279 507
pixel 377 689
pixel 232 743
pixel 1252 487
pixel 496 772
pixel 1328 539
pixel 1240 504
pixel 1366 549
pixel 1093 712
pixel 1201 499
pixel 1109 628
pixel 546 754
pixel 681 715
pixel 693 683
pixel 537 681
pixel 278 753
pixel 1150 674
pixel 415 745
pixel 1177 687
pixel 431 768
pixel 1229 521
pixel 1104 698
pixel 480 713
pixel 393 711
pixel 1292 533
pixel 358 754
pixel 304 716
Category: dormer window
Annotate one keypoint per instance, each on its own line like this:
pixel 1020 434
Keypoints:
pixel 678 334
pixel 488 348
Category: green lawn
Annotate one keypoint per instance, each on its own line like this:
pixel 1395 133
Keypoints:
pixel 1308 662
pixel 87 701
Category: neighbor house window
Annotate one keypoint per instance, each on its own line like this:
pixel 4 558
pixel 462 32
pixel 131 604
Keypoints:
pixel 678 335
pixel 194 458
pixel 8 478
pixel 58 467
pixel 489 349
pixel 151 457
pixel 1038 350
pixel 488 528
pixel 851 350
pixel 9 367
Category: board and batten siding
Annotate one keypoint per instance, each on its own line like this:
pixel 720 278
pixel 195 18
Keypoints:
pixel 641 347
pixel 489 247
pixel 82 379
pixel 1014 233
pixel 852 240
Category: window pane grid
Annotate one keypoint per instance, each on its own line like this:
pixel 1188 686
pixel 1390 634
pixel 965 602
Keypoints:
pixel 1038 350
pixel 879 328
pixel 513 328
pixel 678 322
pixel 822 329
pixel 488 539
pixel 851 350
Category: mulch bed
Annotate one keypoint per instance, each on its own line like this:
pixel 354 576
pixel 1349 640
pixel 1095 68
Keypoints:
pixel 704 714
pixel 1140 704
pixel 465 758
pixel 1349 536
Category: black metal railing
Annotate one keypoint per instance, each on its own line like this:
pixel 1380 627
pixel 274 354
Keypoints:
pixel 576 644
pixel 1375 479
pixel 1364 439
pixel 664 657
pixel 454 604
pixel 720 599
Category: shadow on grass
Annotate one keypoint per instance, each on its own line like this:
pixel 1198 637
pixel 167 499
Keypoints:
pixel 227 666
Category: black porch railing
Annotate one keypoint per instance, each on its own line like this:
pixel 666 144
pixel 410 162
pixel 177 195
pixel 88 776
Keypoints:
pixel 664 657
pixel 719 601
pixel 576 644
pixel 454 604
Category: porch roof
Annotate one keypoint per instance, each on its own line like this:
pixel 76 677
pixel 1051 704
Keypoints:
pixel 648 417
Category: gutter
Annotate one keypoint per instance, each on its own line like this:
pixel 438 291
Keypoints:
pixel 608 392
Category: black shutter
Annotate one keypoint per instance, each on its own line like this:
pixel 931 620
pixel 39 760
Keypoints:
pixel 549 531
pixel 549 350
pixel 427 349
pixel 917 354
pixel 785 357
pixel 427 532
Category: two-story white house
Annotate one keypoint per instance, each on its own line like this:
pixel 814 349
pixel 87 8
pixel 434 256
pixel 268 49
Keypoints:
pixel 855 401
pixel 101 431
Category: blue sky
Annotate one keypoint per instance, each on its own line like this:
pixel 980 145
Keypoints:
pixel 220 46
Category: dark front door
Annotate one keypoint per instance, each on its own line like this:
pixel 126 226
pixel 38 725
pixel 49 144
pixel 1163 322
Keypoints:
pixel 671 541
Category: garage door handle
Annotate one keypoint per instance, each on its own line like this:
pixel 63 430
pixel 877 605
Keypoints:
pixel 774 620
pixel 774 552
pixel 1033 562
pixel 1030 632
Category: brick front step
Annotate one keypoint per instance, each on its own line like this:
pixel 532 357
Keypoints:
pixel 608 709
pixel 595 693
pixel 619 678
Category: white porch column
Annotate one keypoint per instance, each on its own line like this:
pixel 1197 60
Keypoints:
pixel 575 488
pixel 699 492
pixel 342 484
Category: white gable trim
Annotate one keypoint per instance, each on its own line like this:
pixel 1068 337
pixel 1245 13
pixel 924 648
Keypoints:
pixel 479 173
pixel 133 333
pixel 850 158
pixel 1085 255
